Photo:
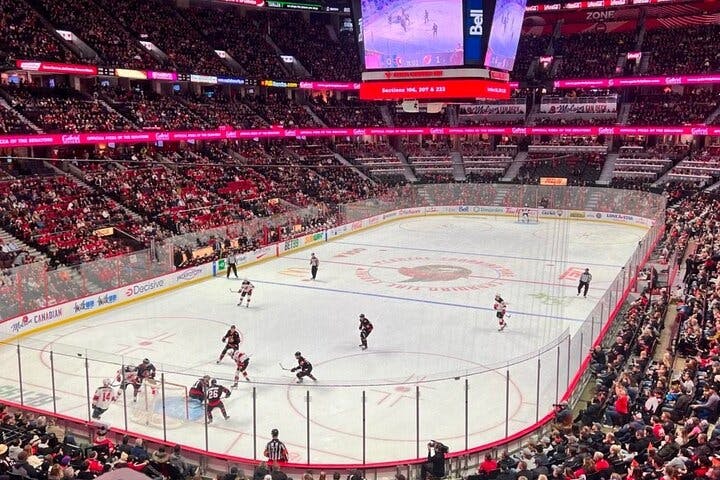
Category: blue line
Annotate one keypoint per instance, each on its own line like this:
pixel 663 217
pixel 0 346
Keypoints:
pixel 478 254
pixel 405 299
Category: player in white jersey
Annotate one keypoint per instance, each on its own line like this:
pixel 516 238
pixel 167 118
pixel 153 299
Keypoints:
pixel 246 290
pixel 102 399
pixel 242 361
pixel 128 375
pixel 525 214
pixel 500 308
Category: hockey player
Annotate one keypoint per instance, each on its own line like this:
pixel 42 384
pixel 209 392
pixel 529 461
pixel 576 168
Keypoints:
pixel 214 399
pixel 246 289
pixel 197 391
pixel 500 308
pixel 128 375
pixel 102 399
pixel 365 328
pixel 242 361
pixel 304 368
pixel 146 370
pixel 525 214
pixel 232 342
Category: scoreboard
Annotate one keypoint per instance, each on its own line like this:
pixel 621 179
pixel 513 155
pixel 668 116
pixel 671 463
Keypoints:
pixel 472 42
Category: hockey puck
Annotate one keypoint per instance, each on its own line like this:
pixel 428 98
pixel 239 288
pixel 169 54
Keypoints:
pixel 457 378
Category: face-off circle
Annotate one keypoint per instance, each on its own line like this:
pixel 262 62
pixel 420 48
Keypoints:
pixel 444 274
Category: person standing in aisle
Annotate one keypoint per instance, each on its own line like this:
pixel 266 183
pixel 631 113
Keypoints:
pixel 231 264
pixel 275 450
pixel 314 264
pixel 585 279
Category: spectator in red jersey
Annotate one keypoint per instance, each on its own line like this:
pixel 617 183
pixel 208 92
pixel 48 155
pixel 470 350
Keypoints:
pixel 619 411
pixel 489 464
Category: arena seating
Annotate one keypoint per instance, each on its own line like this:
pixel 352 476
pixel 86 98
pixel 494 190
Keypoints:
pixel 64 110
pixel 669 108
pixel 347 113
pixel 94 26
pixel 694 49
pixel 591 54
pixel 25 36
pixel 158 22
pixel 319 53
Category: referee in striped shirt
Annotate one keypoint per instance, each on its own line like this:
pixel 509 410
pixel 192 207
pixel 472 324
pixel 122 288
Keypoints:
pixel 584 282
pixel 275 450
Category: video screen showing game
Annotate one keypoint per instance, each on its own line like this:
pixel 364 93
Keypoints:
pixel 505 34
pixel 412 33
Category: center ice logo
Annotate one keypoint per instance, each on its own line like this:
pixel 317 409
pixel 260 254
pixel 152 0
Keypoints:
pixel 445 273
pixel 434 273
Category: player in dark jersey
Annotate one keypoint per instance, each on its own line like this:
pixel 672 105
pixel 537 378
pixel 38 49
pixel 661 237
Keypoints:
pixel 232 342
pixel 242 361
pixel 146 370
pixel 365 328
pixel 304 368
pixel 197 391
pixel 214 399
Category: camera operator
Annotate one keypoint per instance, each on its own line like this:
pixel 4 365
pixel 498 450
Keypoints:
pixel 435 464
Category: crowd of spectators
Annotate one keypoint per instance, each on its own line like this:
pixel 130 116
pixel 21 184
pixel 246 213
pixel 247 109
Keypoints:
pixel 232 31
pixel 64 110
pixel 694 50
pixel 218 111
pixel 11 123
pixel 322 56
pixel 579 168
pixel 158 22
pixel 347 113
pixel 592 54
pixel 278 110
pixel 530 47
pixel 36 448
pixel 100 31
pixel 26 37
pixel 151 111
pixel 57 215
pixel 672 108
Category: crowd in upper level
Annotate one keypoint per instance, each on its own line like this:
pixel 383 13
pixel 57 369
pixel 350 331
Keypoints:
pixel 212 39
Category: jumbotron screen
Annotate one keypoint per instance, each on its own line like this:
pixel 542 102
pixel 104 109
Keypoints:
pixel 412 34
pixel 506 26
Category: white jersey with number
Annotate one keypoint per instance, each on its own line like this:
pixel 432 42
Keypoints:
pixel 103 397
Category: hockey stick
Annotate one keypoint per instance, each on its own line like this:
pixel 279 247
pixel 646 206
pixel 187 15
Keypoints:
pixel 232 291
pixel 281 366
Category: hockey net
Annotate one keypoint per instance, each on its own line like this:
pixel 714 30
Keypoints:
pixel 528 215
pixel 148 409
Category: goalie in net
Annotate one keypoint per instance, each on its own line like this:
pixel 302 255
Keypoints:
pixel 527 215
pixel 156 399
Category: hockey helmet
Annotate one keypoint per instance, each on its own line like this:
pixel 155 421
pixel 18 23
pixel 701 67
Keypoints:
pixel 274 432
pixel 106 382
pixel 362 315
pixel 213 382
pixel 298 354
pixel 146 361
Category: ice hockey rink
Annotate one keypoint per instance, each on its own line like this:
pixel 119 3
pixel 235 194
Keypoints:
pixel 427 284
